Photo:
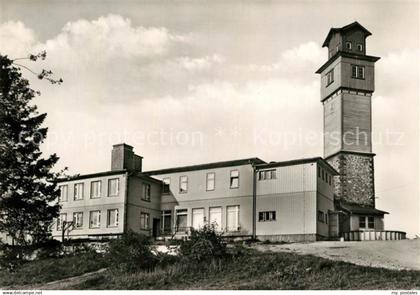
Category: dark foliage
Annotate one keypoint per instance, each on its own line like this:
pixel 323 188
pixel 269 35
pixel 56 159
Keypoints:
pixel 52 269
pixel 204 244
pixel 27 195
pixel 131 253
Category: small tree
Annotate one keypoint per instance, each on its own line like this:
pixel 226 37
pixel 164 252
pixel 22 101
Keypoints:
pixel 27 195
pixel 204 244
pixel 131 252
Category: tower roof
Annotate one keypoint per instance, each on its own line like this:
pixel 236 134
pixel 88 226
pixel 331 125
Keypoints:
pixel 343 30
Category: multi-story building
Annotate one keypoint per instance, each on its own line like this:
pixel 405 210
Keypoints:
pixel 243 198
pixel 347 85
pixel 112 202
pixel 298 200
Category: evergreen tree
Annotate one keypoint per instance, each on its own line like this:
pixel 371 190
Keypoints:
pixel 28 198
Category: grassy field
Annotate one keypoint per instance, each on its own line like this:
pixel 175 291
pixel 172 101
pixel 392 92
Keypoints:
pixel 51 269
pixel 252 271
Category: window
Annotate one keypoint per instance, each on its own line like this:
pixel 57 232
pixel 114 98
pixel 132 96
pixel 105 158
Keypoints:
pixel 64 189
pixel 267 174
pixel 113 187
pixel 267 216
pixel 215 217
pixel 357 72
pixel 320 216
pixel 197 218
pixel 95 189
pixel 326 218
pixel 181 219
pixel 210 181
pixel 60 220
pixel 183 184
pixel 234 179
pixel 330 77
pixel 371 222
pixel 94 219
pixel 78 219
pixel 166 185
pixel 323 174
pixel 146 191
pixel 362 221
pixel 360 47
pixel 366 220
pixel 112 218
pixel 144 220
pixel 78 191
pixel 319 171
pixel 166 221
pixel 348 45
pixel 329 179
pixel 232 218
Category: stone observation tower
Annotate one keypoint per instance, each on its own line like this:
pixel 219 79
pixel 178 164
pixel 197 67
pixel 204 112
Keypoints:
pixel 347 85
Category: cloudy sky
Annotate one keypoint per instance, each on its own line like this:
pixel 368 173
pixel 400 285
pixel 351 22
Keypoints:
pixel 188 82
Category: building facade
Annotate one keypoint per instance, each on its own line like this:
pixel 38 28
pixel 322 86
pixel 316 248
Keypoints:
pixel 299 200
pixel 347 86
pixel 288 201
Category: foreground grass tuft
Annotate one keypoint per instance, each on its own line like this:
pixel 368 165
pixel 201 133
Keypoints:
pixel 259 271
pixel 249 270
pixel 51 269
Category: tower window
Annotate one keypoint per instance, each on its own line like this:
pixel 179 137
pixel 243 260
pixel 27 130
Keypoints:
pixel 234 179
pixel 348 45
pixel 357 72
pixel 330 77
pixel 183 184
pixel 360 47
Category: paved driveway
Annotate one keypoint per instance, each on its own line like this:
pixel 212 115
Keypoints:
pixel 404 254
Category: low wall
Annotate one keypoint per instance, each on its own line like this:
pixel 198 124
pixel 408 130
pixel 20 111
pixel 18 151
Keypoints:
pixel 374 235
pixel 290 238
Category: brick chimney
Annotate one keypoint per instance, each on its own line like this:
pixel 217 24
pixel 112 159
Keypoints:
pixel 123 157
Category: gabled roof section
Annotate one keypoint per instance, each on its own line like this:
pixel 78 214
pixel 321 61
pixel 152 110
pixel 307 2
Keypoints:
pixel 298 162
pixel 354 25
pixel 346 54
pixel 92 175
pixel 251 161
pixel 359 209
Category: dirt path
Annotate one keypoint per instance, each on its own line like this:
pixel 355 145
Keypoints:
pixel 404 254
pixel 61 284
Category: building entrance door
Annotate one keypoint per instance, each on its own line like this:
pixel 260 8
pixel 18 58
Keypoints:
pixel 156 227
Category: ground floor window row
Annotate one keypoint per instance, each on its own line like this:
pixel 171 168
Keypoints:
pixel 366 222
pixel 179 221
pixel 322 217
pixel 112 218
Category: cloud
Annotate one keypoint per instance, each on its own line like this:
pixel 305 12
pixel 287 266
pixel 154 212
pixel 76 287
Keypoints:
pixel 124 82
pixel 307 53
pixel 15 39
pixel 109 37
pixel 199 64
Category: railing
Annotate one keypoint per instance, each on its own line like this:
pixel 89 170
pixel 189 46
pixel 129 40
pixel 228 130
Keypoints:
pixel 374 235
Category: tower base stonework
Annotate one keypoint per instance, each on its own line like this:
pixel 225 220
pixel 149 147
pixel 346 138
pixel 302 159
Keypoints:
pixel 355 182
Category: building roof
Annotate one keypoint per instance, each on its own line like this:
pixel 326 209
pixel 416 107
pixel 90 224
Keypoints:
pixel 346 54
pixel 359 209
pixel 252 161
pixel 91 175
pixel 353 25
pixel 298 162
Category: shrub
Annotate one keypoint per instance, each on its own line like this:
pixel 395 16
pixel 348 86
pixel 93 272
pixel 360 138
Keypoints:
pixel 204 244
pixel 50 248
pixel 131 253
pixel 13 256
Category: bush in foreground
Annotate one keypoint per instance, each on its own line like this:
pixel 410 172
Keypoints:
pixel 204 244
pixel 131 252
